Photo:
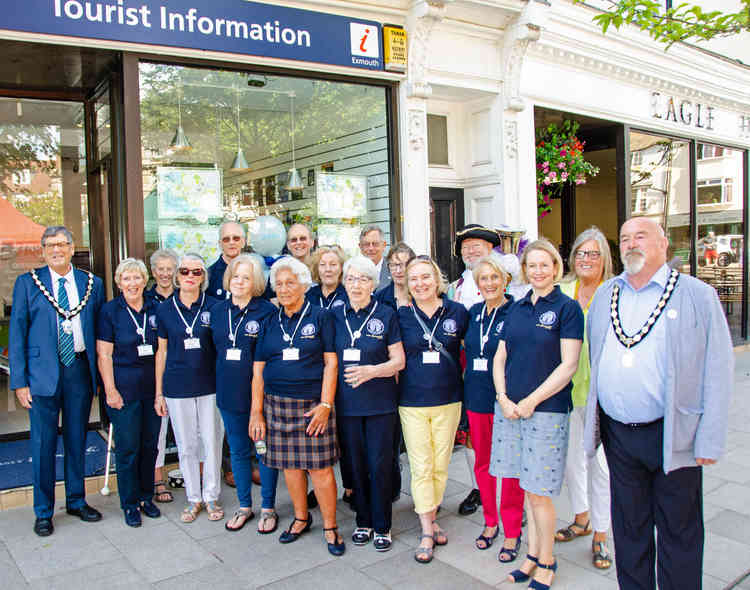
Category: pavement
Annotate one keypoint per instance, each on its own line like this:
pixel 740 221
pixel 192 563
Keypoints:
pixel 166 554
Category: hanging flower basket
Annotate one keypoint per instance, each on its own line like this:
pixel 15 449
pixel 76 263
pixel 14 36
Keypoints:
pixel 559 159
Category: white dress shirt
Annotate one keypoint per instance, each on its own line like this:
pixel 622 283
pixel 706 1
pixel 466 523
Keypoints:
pixel 467 293
pixel 72 289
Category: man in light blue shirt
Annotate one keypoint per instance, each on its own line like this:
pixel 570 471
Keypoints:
pixel 661 377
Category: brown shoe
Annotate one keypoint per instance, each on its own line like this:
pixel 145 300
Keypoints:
pixel 229 479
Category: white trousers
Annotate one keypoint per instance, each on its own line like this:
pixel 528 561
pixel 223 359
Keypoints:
pixel 162 444
pixel 588 479
pixel 198 432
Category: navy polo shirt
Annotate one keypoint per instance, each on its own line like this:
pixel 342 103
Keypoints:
pixel 532 335
pixel 336 299
pixel 269 293
pixel 155 296
pixel 302 378
pixel 216 279
pixel 387 296
pixel 134 375
pixel 427 384
pixel 479 388
pixel 233 377
pixel 380 395
pixel 188 373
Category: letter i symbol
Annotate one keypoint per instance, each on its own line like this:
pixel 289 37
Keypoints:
pixel 362 47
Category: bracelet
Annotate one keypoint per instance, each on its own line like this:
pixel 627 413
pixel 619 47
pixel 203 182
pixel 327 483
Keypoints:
pixel 326 405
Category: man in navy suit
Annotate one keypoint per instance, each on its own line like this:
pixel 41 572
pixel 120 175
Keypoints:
pixel 372 244
pixel 53 368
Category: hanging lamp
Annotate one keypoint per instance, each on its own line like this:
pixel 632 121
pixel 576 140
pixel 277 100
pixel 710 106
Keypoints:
pixel 295 181
pixel 179 143
pixel 239 164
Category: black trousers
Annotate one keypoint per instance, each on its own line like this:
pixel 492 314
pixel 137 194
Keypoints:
pixel 644 498
pixel 369 459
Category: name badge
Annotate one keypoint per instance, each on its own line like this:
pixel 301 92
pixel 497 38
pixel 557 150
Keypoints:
pixel 290 354
pixel 191 343
pixel 234 354
pixel 430 357
pixel 145 350
pixel 480 364
pixel 351 354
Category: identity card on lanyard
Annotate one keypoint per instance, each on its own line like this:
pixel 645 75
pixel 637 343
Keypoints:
pixel 353 353
pixel 190 342
pixel 429 357
pixel 143 348
pixel 480 364
pixel 290 353
pixel 234 353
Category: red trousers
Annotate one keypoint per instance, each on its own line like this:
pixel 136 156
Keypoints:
pixel 511 494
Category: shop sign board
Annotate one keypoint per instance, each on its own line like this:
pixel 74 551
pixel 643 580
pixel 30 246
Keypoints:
pixel 230 26
pixel 394 48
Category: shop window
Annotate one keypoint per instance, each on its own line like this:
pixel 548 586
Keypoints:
pixel 715 191
pixel 706 151
pixel 219 145
pixel 437 140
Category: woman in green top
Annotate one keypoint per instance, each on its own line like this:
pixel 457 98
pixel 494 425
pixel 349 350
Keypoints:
pixel 588 479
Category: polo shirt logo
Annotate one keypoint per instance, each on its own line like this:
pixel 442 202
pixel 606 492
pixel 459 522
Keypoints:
pixel 152 321
pixel 308 330
pixel 218 291
pixel 449 326
pixel 206 318
pixel 547 319
pixel 252 328
pixel 375 327
pixel 337 303
pixel 499 327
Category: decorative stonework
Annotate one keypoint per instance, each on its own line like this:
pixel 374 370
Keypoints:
pixel 510 139
pixel 516 43
pixel 417 129
pixel 423 16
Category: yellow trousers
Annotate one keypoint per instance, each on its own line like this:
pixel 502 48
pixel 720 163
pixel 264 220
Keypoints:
pixel 429 434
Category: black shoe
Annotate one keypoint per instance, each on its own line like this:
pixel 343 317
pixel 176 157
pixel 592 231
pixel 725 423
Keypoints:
pixel 312 501
pixel 362 535
pixel 337 548
pixel 470 503
pixel 86 513
pixel 132 517
pixel 289 537
pixel 149 509
pixel 348 499
pixel 43 527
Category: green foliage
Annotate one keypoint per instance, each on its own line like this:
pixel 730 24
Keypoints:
pixel 26 147
pixel 43 208
pixel 682 22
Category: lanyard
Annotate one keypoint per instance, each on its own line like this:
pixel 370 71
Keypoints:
pixel 483 338
pixel 357 333
pixel 233 335
pixel 330 303
pixel 189 329
pixel 140 330
pixel 287 337
pixel 429 336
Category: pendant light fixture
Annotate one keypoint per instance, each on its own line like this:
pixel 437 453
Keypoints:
pixel 295 181
pixel 239 164
pixel 179 143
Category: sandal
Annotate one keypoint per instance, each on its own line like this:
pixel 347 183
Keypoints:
pixel 191 512
pixel 535 584
pixel 215 511
pixel 508 553
pixel 241 516
pixel 427 552
pixel 164 496
pixel 383 542
pixel 338 547
pixel 569 533
pixel 264 517
pixel 486 540
pixel 602 558
pixel 518 576
pixel 289 536
pixel 436 535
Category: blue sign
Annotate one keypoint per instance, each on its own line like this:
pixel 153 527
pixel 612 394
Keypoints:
pixel 230 26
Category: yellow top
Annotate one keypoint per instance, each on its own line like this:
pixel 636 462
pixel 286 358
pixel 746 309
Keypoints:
pixel 582 377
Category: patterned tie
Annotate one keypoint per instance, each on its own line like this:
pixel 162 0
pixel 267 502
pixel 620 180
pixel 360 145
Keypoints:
pixel 64 340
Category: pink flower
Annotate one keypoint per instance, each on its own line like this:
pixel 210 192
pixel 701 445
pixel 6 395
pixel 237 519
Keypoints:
pixel 561 165
pixel 553 175
pixel 547 180
pixel 563 153
pixel 564 176
pixel 580 180
pixel 545 164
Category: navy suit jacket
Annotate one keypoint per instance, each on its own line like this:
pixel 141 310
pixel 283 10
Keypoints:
pixel 33 355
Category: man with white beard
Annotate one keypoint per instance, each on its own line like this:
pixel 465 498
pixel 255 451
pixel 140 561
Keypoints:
pixel 661 378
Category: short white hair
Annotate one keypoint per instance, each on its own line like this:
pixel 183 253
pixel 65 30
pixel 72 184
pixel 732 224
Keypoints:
pixel 298 268
pixel 363 265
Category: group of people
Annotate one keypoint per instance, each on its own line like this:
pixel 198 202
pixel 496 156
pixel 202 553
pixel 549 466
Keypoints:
pixel 335 360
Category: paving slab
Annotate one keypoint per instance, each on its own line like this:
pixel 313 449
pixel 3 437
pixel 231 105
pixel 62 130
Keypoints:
pixel 213 577
pixel 117 574
pixel 338 575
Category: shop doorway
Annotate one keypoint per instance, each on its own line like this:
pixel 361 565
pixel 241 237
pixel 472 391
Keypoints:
pixel 446 218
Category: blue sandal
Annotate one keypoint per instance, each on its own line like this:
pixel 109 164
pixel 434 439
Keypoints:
pixel 535 585
pixel 487 540
pixel 510 554
pixel 518 576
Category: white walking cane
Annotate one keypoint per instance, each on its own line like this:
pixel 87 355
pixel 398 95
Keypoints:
pixel 105 489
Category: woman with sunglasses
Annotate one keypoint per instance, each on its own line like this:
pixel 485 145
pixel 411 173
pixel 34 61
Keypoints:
pixel 186 386
pixel 431 392
pixel 396 293
pixel 231 241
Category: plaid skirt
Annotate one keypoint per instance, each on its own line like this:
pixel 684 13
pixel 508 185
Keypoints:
pixel 288 445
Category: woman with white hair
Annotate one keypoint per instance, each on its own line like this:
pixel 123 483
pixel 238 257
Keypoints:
pixel 125 345
pixel 186 386
pixel 293 391
pixel 368 345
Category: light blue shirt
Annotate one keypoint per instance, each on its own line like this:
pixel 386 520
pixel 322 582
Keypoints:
pixel 636 393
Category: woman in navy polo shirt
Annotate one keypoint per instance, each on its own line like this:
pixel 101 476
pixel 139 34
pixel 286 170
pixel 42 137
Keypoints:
pixel 431 392
pixel 486 320
pixel 235 325
pixel 396 292
pixel 186 386
pixel 293 390
pixel 536 358
pixel 326 265
pixel 125 345
pixel 368 345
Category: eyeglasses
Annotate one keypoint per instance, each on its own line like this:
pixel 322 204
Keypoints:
pixel 590 254
pixel 227 239
pixel 370 244
pixel 196 272
pixel 53 245
pixel 352 280
pixel 300 239
pixel 396 265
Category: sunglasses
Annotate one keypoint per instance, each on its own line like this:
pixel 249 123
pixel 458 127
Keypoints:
pixel 196 272
pixel 227 239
